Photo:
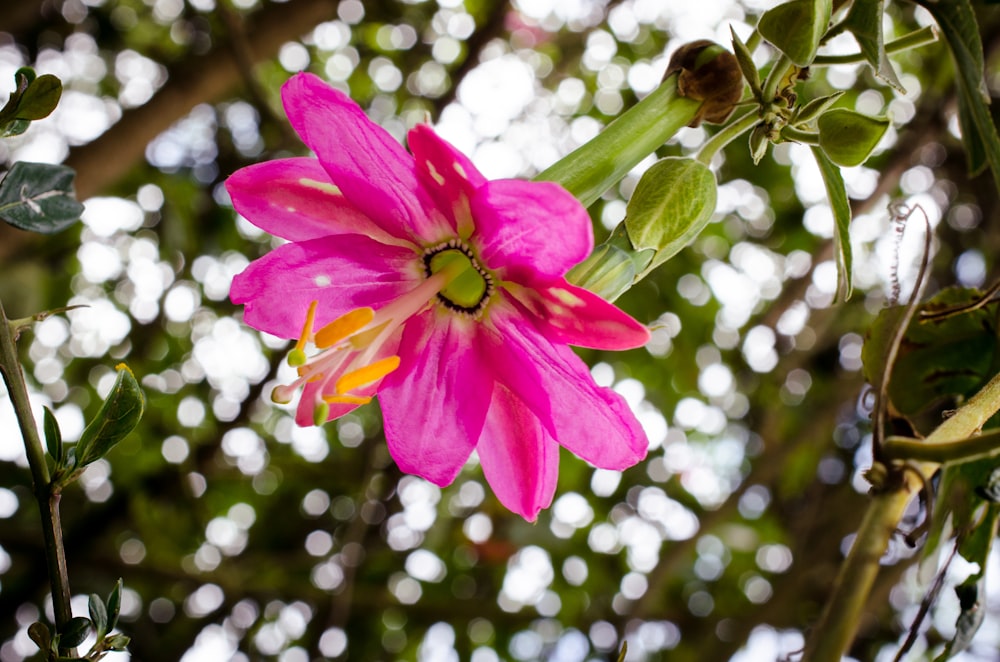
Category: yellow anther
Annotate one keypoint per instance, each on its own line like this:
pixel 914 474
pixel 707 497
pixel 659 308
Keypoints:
pixel 366 375
pixel 344 326
pixel 347 399
pixel 306 328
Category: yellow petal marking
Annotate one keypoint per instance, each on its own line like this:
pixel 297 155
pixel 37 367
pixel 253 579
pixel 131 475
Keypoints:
pixel 366 375
pixel 344 326
pixel 347 399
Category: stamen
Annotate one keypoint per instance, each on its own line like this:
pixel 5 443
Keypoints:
pixel 347 399
pixel 367 374
pixel 343 327
pixel 297 356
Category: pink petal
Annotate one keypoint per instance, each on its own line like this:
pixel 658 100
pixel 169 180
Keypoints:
pixel 519 459
pixel 593 422
pixel 373 170
pixel 449 176
pixel 435 403
pixel 530 231
pixel 576 316
pixel 294 199
pixel 341 272
pixel 307 405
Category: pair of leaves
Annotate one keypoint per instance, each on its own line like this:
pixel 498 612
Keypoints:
pixel 32 99
pixel 118 416
pixel 103 619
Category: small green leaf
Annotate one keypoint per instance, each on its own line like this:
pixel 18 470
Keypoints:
pixel 75 631
pixel 14 128
pixel 118 416
pixel 745 60
pixel 117 642
pixel 864 21
pixel 971 596
pixel 796 28
pixel 837 194
pixel 849 137
pixel 98 614
pixel 815 108
pixel 114 604
pixel 758 143
pixel 39 197
pixel 39 633
pixel 670 206
pixel 53 437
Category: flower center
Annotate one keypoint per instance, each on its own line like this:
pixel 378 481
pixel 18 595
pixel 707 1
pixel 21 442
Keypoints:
pixel 471 288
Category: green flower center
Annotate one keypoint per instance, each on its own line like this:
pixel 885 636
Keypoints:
pixel 470 286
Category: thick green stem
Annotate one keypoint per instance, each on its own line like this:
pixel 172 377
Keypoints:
pixel 769 90
pixel 593 168
pixel 835 631
pixel 962 450
pixel 48 503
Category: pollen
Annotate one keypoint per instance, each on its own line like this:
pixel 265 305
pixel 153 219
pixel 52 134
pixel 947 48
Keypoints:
pixel 366 375
pixel 344 326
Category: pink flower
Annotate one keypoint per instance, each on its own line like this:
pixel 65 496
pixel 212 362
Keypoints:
pixel 439 290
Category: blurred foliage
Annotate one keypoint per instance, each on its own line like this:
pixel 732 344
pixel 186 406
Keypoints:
pixel 239 536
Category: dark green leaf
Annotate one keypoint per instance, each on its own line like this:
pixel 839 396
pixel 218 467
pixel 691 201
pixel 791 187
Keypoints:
pixel 40 634
pixel 98 614
pixel 864 21
pixel 837 194
pixel 40 99
pixel 796 28
pixel 971 597
pixel 849 137
pixel 672 203
pixel 939 360
pixel 14 128
pixel 957 21
pixel 119 414
pixel 53 437
pixel 76 630
pixel 39 197
pixel 114 604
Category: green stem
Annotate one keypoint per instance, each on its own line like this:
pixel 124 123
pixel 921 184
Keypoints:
pixel 800 136
pixel 962 450
pixel 48 502
pixel 732 131
pixel 832 635
pixel 593 168
pixel 916 39
pixel 769 90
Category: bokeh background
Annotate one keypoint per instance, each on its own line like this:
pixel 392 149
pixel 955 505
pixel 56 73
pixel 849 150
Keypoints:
pixel 240 536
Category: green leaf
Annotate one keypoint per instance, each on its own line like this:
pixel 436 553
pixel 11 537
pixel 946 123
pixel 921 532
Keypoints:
pixel 796 28
pixel 939 360
pixel 864 21
pixel 119 414
pixel 39 633
pixel 74 633
pixel 849 137
pixel 745 60
pixel 117 642
pixel 53 437
pixel 39 197
pixel 40 99
pixel 815 108
pixel 114 604
pixel 837 194
pixel 957 21
pixel 98 614
pixel 670 206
